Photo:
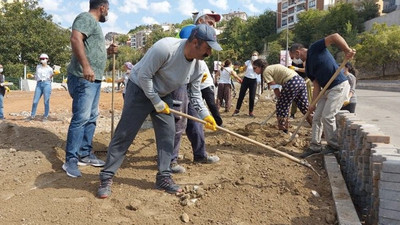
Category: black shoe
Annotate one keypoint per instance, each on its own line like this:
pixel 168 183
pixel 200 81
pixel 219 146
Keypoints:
pixel 168 185
pixel 329 150
pixel 309 152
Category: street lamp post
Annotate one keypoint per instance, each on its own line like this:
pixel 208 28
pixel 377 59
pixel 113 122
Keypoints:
pixel 287 42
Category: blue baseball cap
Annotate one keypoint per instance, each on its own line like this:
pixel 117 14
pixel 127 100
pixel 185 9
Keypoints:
pixel 206 33
pixel 186 31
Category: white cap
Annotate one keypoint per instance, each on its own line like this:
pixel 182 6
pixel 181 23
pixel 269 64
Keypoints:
pixel 216 16
pixel 43 56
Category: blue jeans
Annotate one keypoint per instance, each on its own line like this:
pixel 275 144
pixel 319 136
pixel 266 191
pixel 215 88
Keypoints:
pixel 42 88
pixel 1 107
pixel 85 100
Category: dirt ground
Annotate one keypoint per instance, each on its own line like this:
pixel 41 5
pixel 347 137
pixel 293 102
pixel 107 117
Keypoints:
pixel 250 185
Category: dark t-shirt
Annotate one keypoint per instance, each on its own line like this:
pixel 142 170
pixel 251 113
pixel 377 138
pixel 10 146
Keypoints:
pixel 321 65
pixel 2 88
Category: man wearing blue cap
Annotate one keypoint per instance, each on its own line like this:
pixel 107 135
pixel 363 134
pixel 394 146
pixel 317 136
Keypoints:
pixel 167 65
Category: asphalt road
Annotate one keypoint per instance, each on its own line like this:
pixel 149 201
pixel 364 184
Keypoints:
pixel 381 108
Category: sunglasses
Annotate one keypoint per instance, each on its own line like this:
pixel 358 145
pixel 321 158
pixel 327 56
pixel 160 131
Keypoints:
pixel 42 58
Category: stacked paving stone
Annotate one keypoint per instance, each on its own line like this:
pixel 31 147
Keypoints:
pixel 371 168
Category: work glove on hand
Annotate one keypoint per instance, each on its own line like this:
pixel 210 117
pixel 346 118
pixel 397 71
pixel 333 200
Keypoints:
pixel 346 103
pixel 162 107
pixel 211 124
pixel 293 68
pixel 205 75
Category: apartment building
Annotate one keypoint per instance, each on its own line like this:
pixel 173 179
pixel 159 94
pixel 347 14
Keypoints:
pixel 138 40
pixel 288 10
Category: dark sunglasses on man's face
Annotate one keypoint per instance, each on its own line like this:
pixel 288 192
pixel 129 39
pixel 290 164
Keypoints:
pixel 42 58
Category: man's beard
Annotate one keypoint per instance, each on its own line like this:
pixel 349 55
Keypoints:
pixel 103 18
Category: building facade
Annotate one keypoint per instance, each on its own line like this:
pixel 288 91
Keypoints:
pixel 138 40
pixel 288 10
pixel 229 16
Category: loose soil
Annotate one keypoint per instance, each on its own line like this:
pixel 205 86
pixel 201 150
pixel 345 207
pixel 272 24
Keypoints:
pixel 250 185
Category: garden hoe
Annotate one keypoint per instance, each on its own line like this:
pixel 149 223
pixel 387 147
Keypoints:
pixel 300 161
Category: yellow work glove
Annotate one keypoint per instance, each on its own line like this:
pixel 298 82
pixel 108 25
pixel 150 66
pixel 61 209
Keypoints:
pixel 293 68
pixel 346 103
pixel 211 124
pixel 205 75
pixel 162 107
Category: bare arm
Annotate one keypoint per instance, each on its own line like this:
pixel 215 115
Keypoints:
pixel 234 74
pixel 341 43
pixel 78 49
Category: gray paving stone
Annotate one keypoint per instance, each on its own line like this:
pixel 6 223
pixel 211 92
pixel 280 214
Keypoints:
pixel 392 165
pixel 389 214
pixel 389 195
pixel 389 204
pixel 346 213
pixel 393 186
pixel 386 221
pixel 390 177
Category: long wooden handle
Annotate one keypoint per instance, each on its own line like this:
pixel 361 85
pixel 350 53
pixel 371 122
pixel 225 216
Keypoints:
pixel 314 102
pixel 302 162
pixel 268 117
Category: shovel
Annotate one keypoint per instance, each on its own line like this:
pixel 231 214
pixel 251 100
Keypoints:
pixel 300 161
pixel 314 102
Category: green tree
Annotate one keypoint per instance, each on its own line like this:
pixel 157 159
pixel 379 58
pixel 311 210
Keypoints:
pixel 378 47
pixel 274 52
pixel 337 18
pixel 308 29
pixel 122 39
pixel 369 10
pixel 26 31
pixel 258 30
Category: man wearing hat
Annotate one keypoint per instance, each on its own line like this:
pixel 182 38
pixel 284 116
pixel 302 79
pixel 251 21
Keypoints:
pixel 194 130
pixel 166 66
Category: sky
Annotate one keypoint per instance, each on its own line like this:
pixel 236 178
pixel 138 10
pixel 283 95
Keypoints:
pixel 125 15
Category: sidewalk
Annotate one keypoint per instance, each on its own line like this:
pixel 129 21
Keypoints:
pixel 379 85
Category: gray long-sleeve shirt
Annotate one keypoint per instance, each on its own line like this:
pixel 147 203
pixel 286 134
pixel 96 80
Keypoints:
pixel 164 69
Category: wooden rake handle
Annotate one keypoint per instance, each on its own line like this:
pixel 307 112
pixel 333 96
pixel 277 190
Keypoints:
pixel 302 162
pixel 314 102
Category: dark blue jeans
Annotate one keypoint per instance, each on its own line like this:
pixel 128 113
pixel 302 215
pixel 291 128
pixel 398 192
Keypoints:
pixel 42 88
pixel 136 108
pixel 85 103
pixel 194 130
